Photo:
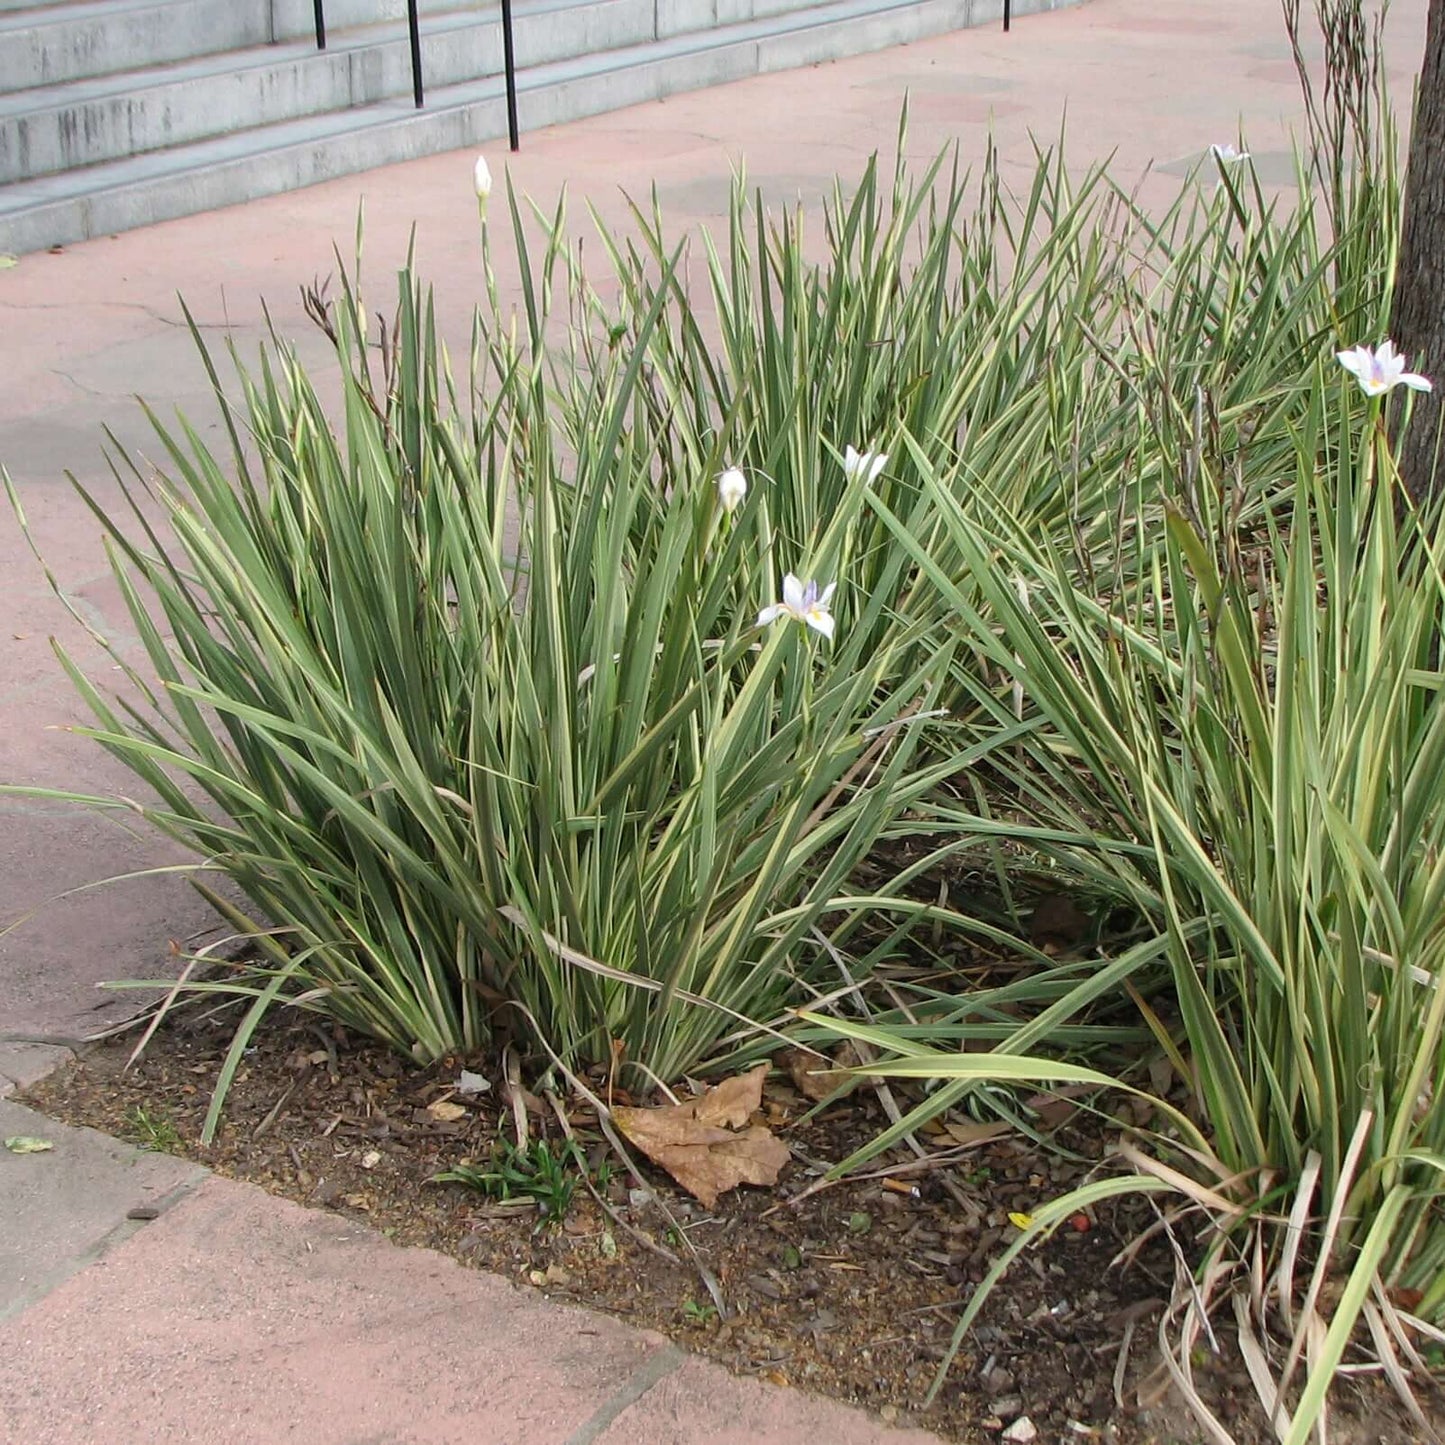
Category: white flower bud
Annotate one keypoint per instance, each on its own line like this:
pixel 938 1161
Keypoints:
pixel 732 487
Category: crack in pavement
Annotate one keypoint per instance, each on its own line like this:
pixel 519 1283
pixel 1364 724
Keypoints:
pixel 175 323
pixel 652 1372
pixel 82 387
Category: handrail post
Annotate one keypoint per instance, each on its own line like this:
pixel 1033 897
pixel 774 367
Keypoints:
pixel 414 27
pixel 320 25
pixel 509 63
pixel 1007 14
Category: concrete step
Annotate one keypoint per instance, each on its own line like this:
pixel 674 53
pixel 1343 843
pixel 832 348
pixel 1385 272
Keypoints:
pixel 109 117
pixel 45 42
pixel 53 44
pixel 119 195
pixel 294 19
pixel 6 5
pixel 48 42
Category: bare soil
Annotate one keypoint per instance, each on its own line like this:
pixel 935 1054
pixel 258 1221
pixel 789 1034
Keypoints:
pixel 851 1289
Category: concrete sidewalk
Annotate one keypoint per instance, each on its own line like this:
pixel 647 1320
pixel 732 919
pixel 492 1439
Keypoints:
pixel 233 1316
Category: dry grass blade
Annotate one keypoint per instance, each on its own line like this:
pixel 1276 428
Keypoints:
pixel 1294 1236
pixel 514 1094
pixel 1424 1327
pixel 1310 1328
pixel 163 1008
pixel 1385 1353
pixel 1396 1321
pixel 274 1113
pixel 1121 1364
pixel 1256 1362
pixel 1175 1355
pixel 1202 1195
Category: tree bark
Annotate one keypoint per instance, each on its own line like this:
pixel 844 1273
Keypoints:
pixel 1417 321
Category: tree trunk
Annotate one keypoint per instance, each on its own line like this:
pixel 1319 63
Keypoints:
pixel 1417 323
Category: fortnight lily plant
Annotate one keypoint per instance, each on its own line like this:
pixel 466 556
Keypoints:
pixel 1245 756
pixel 469 701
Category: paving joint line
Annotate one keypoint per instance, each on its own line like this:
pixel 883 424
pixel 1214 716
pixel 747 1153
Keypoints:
pixel 116 1235
pixel 652 1372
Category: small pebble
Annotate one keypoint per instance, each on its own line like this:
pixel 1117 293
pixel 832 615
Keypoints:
pixel 1021 1432
pixel 143 1212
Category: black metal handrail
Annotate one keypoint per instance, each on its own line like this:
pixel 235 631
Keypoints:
pixel 413 25
pixel 509 65
pixel 509 57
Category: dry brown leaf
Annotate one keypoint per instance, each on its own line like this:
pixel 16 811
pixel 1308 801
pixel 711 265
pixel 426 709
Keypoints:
pixel 812 1076
pixel 703 1143
pixel 976 1133
pixel 1055 1106
pixel 1058 924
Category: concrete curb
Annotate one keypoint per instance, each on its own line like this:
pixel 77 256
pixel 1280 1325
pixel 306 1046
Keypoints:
pixel 67 1208
pixel 236 1316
